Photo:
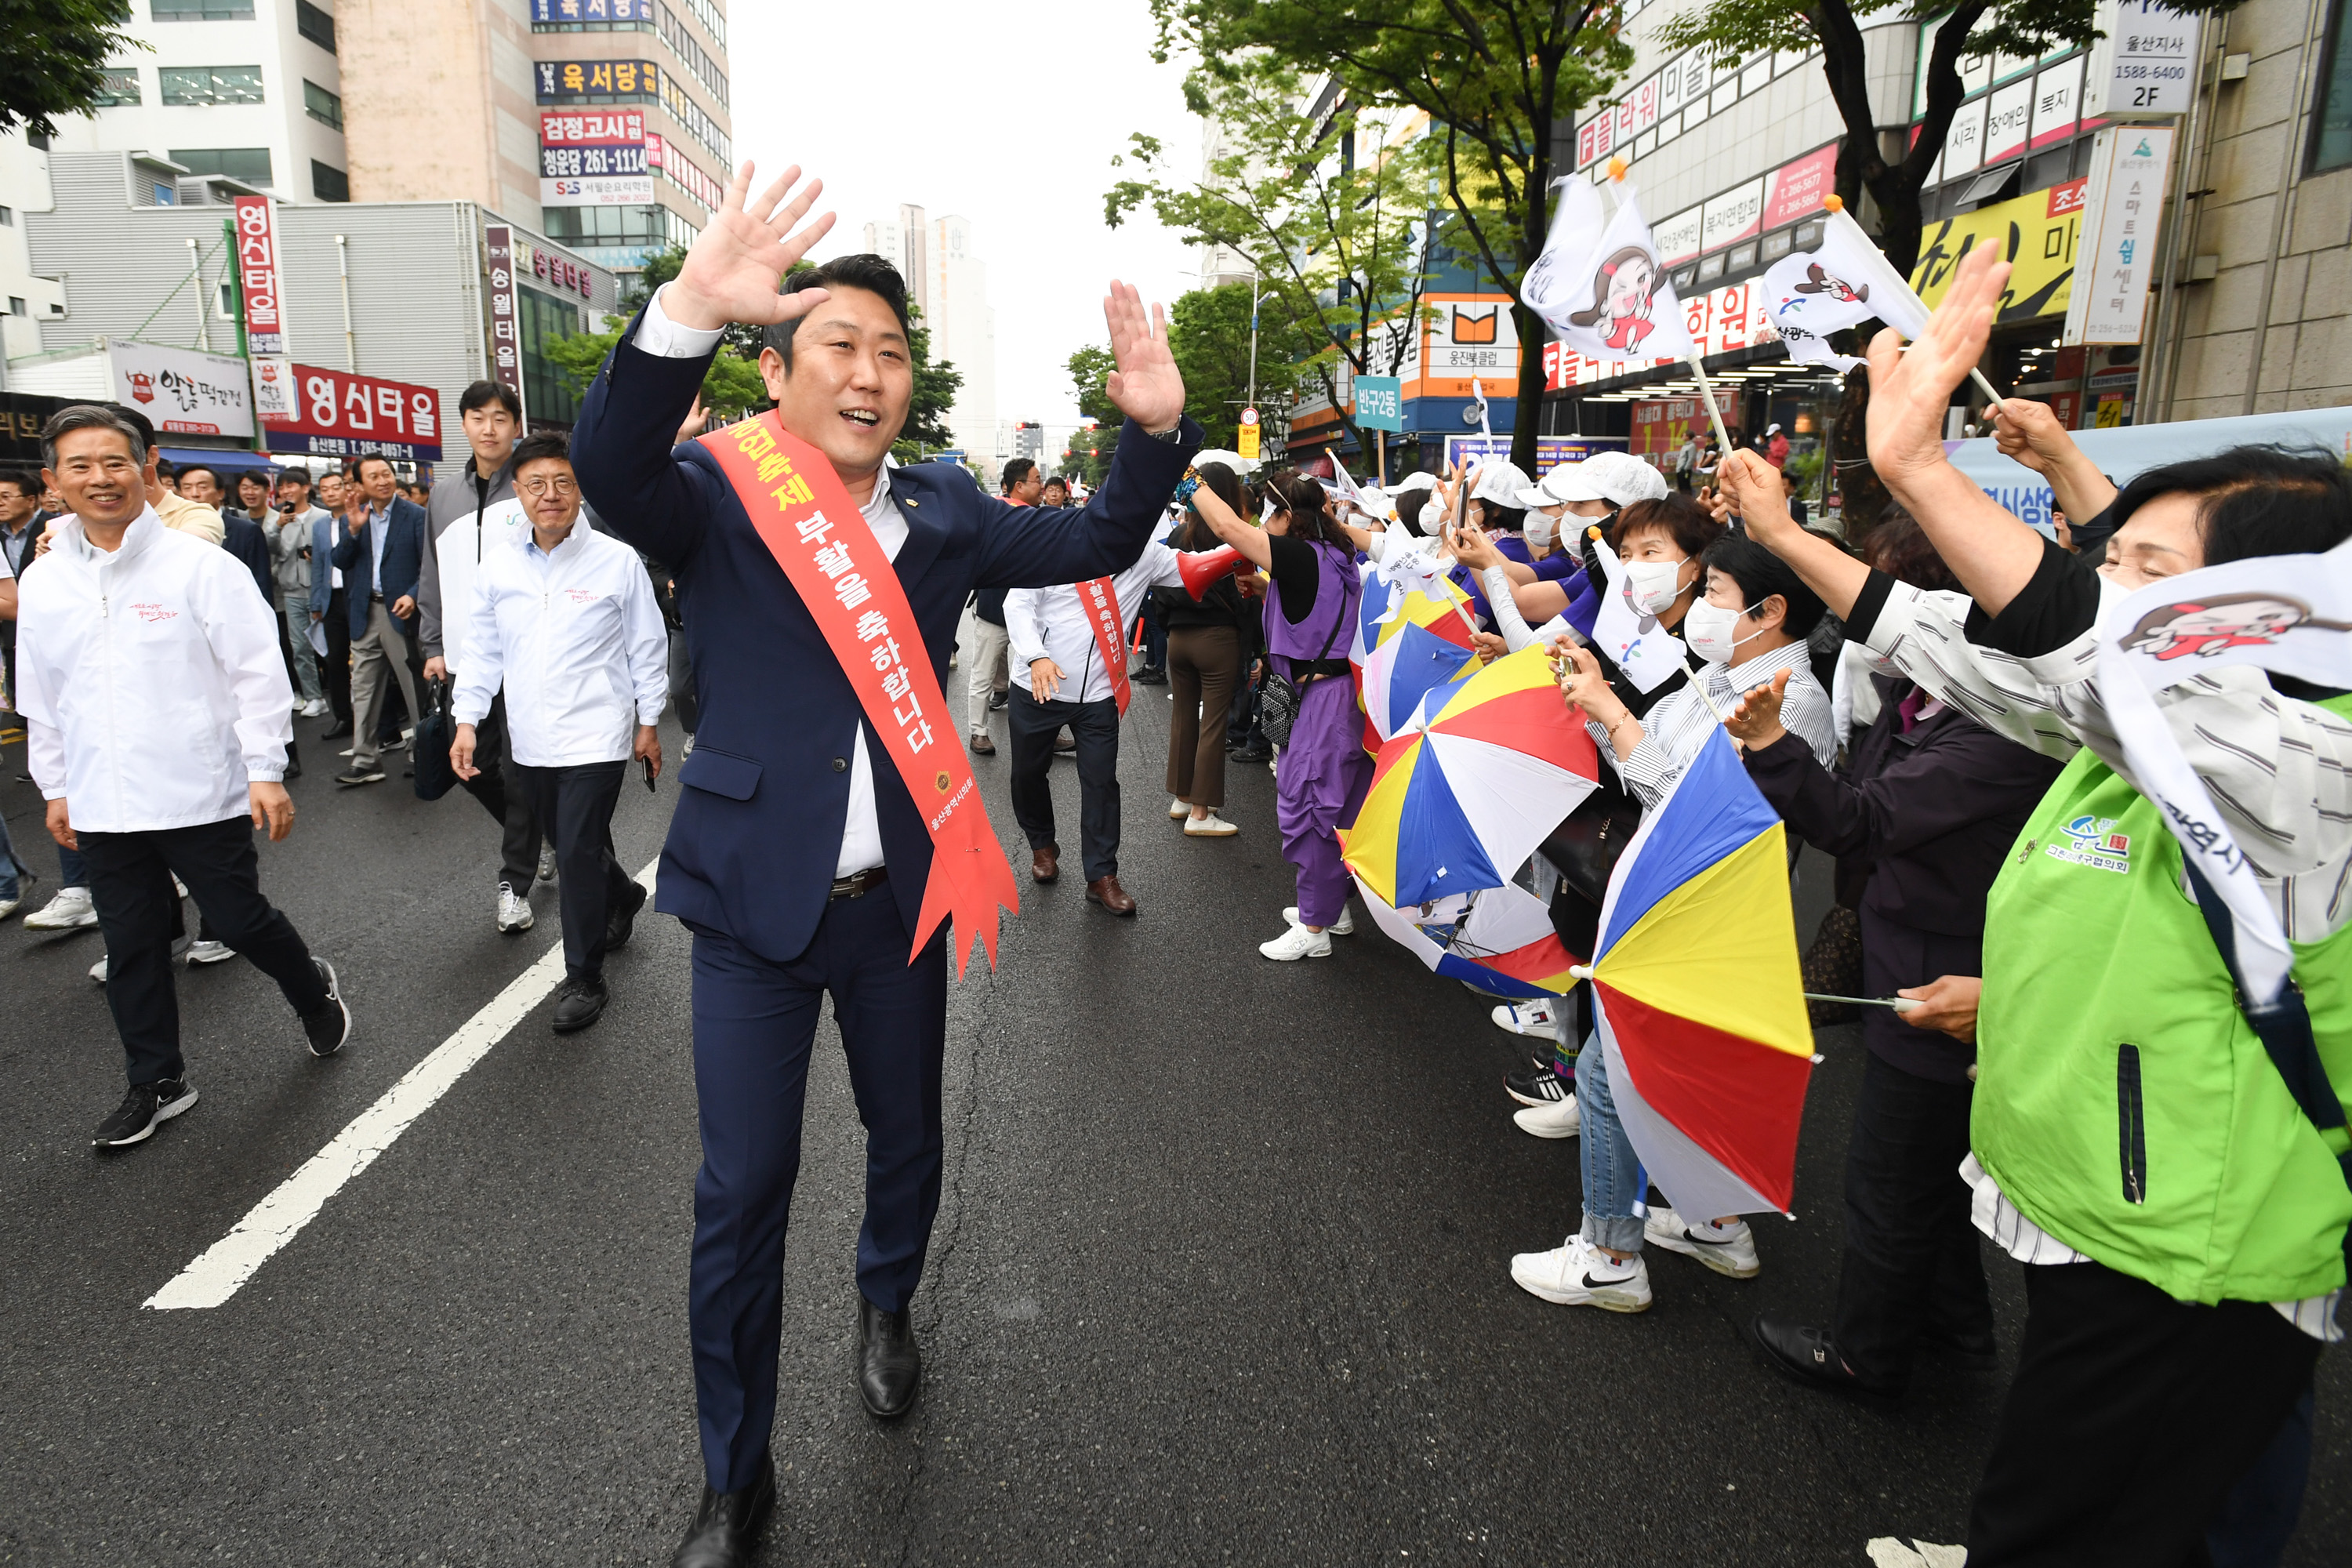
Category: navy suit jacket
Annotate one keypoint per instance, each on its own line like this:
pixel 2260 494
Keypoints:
pixel 757 834
pixel 404 550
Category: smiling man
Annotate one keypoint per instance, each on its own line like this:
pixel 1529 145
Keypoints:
pixel 820 595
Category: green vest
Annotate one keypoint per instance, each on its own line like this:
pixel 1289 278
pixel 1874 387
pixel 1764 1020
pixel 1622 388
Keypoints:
pixel 2121 1102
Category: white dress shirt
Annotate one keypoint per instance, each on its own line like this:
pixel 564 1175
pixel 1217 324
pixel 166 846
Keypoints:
pixel 1055 623
pixel 150 680
pixel 576 636
pixel 861 833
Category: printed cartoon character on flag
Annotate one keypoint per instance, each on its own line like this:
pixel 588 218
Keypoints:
pixel 1841 283
pixel 1599 285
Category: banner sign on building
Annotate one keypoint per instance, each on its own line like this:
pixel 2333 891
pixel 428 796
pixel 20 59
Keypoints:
pixel 2036 231
pixel 663 154
pixel 506 317
pixel 180 391
pixel 259 277
pixel 1467 336
pixel 2129 166
pixel 534 261
pixel 2143 65
pixel 1551 451
pixel 334 414
pixel 593 157
pixel 1719 320
pixel 562 13
pixel 596 81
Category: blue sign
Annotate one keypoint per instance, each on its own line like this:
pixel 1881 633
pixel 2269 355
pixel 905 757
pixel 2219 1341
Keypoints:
pixel 1380 404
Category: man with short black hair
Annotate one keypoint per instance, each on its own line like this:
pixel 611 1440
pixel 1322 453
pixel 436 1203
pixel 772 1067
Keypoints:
pixel 20 500
pixel 200 482
pixel 331 603
pixel 469 518
pixel 291 529
pixel 379 553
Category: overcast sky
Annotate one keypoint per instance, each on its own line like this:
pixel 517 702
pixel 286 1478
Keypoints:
pixel 1006 114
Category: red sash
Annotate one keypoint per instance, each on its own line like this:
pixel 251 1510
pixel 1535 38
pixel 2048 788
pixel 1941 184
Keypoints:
pixel 821 538
pixel 1099 599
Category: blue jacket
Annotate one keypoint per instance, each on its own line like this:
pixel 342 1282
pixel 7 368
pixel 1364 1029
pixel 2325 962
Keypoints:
pixel 404 550
pixel 756 836
pixel 322 556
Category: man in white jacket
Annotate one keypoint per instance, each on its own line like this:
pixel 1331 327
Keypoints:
pixel 566 619
pixel 157 713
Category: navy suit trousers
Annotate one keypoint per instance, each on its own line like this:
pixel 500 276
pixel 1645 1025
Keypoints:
pixel 754 1022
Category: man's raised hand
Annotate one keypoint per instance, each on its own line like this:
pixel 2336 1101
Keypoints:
pixel 1911 389
pixel 1147 386
pixel 732 273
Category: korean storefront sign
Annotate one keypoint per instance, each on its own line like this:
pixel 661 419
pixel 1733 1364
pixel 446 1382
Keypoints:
pixel 259 277
pixel 2144 64
pixel 589 157
pixel 181 391
pixel 564 11
pixel 505 316
pixel 2035 231
pixel 590 81
pixel 2125 199
pixel 333 414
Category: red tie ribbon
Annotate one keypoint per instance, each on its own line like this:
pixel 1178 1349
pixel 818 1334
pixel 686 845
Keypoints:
pixel 1099 599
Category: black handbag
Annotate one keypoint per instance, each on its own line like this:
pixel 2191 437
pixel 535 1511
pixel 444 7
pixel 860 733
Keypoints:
pixel 1584 849
pixel 1278 699
pixel 428 750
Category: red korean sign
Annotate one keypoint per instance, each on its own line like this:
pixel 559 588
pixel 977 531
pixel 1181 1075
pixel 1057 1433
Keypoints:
pixel 506 317
pixel 259 278
pixel 338 414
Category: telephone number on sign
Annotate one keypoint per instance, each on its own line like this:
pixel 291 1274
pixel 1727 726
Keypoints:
pixel 559 163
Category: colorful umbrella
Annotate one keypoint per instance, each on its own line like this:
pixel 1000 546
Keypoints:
pixel 1500 940
pixel 1459 804
pixel 1422 645
pixel 1701 1005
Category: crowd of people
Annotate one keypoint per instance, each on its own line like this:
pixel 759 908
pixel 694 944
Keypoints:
pixel 2074 1075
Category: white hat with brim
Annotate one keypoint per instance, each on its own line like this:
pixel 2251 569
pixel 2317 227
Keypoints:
pixel 1620 478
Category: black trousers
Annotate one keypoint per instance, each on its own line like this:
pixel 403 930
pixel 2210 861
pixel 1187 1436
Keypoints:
pixel 513 808
pixel 335 670
pixel 576 805
pixel 138 910
pixel 2132 1418
pixel 1095 727
pixel 1911 1263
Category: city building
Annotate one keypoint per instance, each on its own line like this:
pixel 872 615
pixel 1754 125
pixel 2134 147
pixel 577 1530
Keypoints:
pixel 949 285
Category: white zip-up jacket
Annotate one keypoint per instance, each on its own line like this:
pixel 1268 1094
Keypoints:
pixel 150 680
pixel 577 638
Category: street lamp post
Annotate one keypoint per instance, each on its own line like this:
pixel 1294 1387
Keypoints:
pixel 1256 299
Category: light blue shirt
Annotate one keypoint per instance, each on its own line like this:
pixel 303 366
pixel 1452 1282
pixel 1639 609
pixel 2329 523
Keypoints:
pixel 379 525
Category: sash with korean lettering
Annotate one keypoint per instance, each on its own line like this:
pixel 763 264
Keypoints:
pixel 1099 599
pixel 819 537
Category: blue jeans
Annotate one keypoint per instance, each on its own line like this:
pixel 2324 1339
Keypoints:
pixel 294 603
pixel 72 872
pixel 11 868
pixel 1613 1182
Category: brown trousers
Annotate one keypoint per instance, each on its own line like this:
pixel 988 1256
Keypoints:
pixel 1204 667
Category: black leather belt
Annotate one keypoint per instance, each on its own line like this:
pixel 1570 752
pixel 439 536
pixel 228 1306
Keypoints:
pixel 860 884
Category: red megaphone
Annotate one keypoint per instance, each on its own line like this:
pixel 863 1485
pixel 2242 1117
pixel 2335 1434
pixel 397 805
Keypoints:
pixel 1205 567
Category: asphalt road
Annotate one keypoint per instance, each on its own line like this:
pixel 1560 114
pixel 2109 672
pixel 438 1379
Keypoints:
pixel 1220 1273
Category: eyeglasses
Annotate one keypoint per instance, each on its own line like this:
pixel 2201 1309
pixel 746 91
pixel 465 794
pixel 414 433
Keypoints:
pixel 560 485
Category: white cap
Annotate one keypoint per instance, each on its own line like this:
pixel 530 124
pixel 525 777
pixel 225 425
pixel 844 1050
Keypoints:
pixel 1500 481
pixel 1620 478
pixel 1771 430
pixel 1418 481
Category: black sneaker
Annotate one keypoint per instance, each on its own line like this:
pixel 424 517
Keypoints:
pixel 331 1026
pixel 1253 754
pixel 622 923
pixel 1150 675
pixel 147 1107
pixel 356 774
pixel 1538 1085
pixel 997 702
pixel 579 1002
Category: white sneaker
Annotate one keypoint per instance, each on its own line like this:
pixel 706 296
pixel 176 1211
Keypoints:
pixel 180 944
pixel 1177 808
pixel 1344 926
pixel 70 910
pixel 1209 827
pixel 546 864
pixel 1525 1018
pixel 9 907
pixel 1728 1249
pixel 1560 1119
pixel 211 953
pixel 1297 943
pixel 1578 1274
pixel 514 911
pixel 315 709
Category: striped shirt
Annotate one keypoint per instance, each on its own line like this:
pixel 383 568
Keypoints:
pixel 1673 732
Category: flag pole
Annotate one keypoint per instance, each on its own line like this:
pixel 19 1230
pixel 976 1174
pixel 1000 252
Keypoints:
pixel 1714 415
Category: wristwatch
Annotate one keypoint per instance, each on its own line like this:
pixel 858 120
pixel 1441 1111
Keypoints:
pixel 1173 434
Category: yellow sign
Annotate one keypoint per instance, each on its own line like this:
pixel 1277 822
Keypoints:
pixel 2036 232
pixel 1247 445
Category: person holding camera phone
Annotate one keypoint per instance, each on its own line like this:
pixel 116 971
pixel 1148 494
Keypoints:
pixel 291 563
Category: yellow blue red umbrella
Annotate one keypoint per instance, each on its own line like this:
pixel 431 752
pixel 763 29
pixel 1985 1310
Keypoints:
pixel 1700 1001
pixel 1500 941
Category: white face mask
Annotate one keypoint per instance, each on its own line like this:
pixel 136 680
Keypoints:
pixel 1708 630
pixel 1541 531
pixel 1655 584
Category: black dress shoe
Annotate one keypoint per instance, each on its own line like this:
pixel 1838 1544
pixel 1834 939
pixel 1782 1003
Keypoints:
pixel 579 1002
pixel 726 1530
pixel 889 1367
pixel 340 730
pixel 1151 675
pixel 1807 1355
pixel 622 923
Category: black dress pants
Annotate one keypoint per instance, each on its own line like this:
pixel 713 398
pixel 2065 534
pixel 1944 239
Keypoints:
pixel 335 668
pixel 2132 1418
pixel 1912 1260
pixel 1095 727
pixel 138 910
pixel 575 804
pixel 511 807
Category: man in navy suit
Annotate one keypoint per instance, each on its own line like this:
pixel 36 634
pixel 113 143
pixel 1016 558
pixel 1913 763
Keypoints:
pixel 379 553
pixel 797 855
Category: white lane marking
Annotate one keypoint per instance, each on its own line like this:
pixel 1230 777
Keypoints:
pixel 229 1262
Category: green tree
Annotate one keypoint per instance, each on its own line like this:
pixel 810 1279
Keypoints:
pixel 1088 457
pixel 936 386
pixel 1495 78
pixel 55 59
pixel 1209 337
pixel 1336 220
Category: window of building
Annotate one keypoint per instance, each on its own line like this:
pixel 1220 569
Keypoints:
pixel 314 25
pixel 17 305
pixel 201 10
pixel 250 165
pixel 7 217
pixel 320 105
pixel 606 225
pixel 329 184
pixel 547 319
pixel 121 87
pixel 200 87
pixel 2331 122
